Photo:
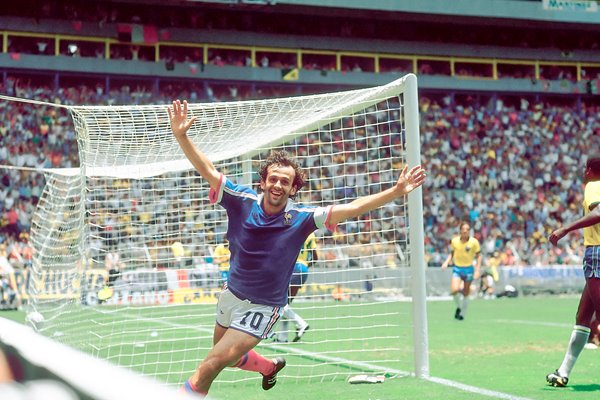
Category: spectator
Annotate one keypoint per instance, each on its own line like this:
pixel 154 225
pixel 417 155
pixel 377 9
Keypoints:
pixel 5 266
pixel 463 143
pixel 339 294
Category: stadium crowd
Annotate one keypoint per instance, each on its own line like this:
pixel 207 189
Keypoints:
pixel 508 166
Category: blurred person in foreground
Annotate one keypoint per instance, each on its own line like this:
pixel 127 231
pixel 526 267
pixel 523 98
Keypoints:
pixel 464 252
pixel 265 235
pixel 589 302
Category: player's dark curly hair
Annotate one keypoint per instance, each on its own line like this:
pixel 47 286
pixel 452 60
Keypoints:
pixel 593 163
pixel 283 159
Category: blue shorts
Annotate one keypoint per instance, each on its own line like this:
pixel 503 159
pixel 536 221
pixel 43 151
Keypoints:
pixel 591 262
pixel 464 273
pixel 298 279
pixel 300 275
pixel 224 275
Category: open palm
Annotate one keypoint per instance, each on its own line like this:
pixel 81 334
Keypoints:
pixel 180 124
pixel 410 180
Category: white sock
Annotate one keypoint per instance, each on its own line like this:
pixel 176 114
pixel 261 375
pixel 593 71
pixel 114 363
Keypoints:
pixel 579 338
pixel 457 298
pixel 288 312
pixel 463 305
pixel 282 335
pixel 291 314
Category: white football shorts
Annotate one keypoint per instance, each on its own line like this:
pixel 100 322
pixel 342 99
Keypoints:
pixel 254 319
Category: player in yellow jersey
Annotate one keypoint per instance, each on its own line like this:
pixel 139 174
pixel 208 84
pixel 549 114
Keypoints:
pixel 465 255
pixel 308 255
pixel 221 257
pixel 589 303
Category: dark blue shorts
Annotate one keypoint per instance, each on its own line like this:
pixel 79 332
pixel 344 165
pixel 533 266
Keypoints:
pixel 464 273
pixel 591 262
pixel 298 278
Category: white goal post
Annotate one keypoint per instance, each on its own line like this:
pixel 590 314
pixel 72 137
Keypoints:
pixel 135 205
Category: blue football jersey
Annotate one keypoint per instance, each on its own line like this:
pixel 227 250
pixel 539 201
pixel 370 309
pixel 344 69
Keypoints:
pixel 264 248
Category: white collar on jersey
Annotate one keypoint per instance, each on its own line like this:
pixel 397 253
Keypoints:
pixel 290 203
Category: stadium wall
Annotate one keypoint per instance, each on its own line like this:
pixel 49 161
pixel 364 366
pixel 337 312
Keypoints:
pixel 63 65
pixel 225 37
pixel 144 287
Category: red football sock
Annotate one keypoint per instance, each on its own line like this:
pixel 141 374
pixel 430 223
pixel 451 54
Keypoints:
pixel 252 361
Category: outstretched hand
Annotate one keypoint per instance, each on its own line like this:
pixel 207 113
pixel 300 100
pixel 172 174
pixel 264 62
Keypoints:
pixel 180 124
pixel 410 180
pixel 557 235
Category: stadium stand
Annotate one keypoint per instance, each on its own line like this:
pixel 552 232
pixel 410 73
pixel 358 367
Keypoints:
pixel 508 107
pixel 478 115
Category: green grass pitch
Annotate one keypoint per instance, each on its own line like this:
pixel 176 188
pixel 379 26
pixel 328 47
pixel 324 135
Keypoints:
pixel 504 348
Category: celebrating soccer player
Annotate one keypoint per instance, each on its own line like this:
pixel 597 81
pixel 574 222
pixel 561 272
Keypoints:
pixel 265 235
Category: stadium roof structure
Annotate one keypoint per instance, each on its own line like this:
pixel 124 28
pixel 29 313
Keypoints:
pixel 555 11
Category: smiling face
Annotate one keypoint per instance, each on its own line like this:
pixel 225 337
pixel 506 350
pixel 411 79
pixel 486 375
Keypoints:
pixel 277 188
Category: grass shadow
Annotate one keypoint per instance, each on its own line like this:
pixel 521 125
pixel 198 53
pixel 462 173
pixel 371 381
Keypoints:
pixel 586 388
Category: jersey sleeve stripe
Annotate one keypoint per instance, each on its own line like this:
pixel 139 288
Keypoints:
pixel 331 227
pixel 215 196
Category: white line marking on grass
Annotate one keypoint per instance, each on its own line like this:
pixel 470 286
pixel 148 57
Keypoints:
pixel 474 389
pixel 372 367
pixel 538 323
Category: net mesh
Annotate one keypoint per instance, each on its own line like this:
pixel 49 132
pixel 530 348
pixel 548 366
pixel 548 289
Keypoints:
pixel 125 265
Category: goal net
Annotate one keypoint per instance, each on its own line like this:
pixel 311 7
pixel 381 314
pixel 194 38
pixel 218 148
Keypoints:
pixel 125 265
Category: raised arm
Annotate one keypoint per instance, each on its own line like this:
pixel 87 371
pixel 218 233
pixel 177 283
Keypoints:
pixel 180 124
pixel 407 182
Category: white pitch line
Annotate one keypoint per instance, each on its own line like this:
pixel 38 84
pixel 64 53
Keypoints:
pixel 373 367
pixel 474 389
pixel 441 381
pixel 538 323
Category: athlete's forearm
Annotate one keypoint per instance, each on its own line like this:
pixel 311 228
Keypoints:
pixel 447 261
pixel 199 160
pixel 590 219
pixel 363 205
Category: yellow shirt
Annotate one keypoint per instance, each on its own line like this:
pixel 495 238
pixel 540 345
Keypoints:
pixel 178 250
pixel 308 247
pixel 221 257
pixel 591 234
pixel 464 252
